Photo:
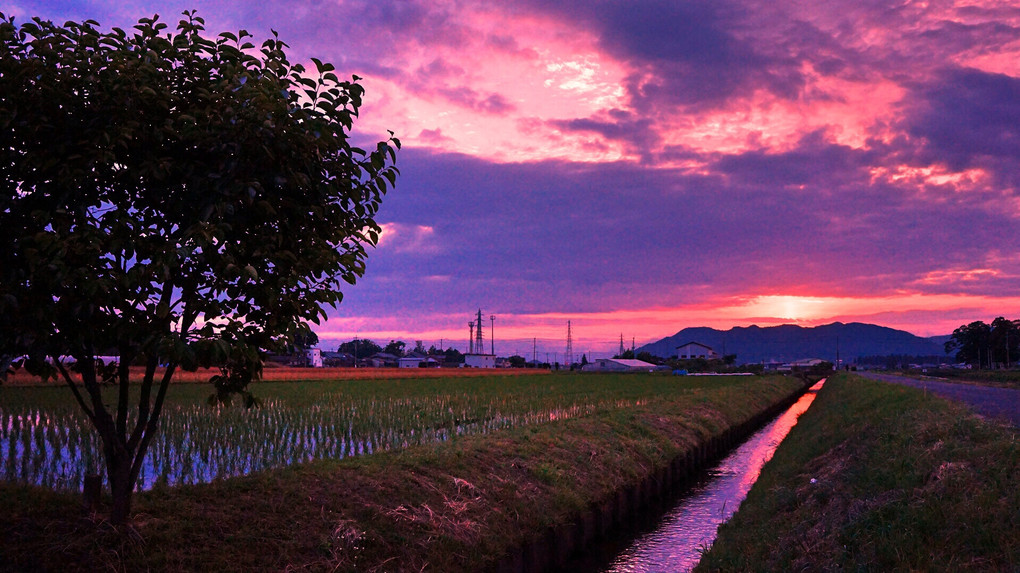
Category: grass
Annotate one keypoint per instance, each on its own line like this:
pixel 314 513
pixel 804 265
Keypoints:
pixel 46 439
pixel 998 378
pixel 880 477
pixel 447 506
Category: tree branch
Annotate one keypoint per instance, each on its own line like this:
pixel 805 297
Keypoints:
pixel 74 389
pixel 124 381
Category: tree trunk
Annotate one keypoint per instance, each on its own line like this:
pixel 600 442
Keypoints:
pixel 91 492
pixel 122 487
pixel 118 462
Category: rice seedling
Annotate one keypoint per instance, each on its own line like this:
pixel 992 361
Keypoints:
pixel 49 442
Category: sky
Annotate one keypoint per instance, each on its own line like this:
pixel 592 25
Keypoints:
pixel 638 167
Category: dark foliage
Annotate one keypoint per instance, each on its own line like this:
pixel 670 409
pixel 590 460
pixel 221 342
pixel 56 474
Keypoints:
pixel 187 201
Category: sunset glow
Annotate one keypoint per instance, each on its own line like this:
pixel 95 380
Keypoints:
pixel 638 167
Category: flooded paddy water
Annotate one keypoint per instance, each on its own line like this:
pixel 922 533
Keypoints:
pixel 197 443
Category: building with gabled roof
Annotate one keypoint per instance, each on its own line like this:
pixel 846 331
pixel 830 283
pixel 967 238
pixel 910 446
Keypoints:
pixel 695 350
pixel 619 365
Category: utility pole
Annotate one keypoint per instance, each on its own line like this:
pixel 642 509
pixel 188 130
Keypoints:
pixel 1007 348
pixel 837 352
pixel 534 352
pixel 492 334
pixel 479 344
pixel 569 356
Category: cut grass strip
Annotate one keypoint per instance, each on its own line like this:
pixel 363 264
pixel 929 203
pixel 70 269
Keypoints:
pixel 880 477
pixel 455 506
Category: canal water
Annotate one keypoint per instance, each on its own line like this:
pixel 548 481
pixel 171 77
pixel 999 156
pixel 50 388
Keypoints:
pixel 676 541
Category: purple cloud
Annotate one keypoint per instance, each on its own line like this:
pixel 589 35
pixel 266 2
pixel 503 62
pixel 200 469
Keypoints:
pixel 967 116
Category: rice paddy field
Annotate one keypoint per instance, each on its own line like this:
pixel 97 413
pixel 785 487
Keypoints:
pixel 46 440
pixel 511 457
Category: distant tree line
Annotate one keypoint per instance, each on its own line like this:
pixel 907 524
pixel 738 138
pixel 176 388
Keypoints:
pixel 895 361
pixel 986 345
pixel 363 348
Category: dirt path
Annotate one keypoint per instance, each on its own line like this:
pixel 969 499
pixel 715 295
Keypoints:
pixel 1003 403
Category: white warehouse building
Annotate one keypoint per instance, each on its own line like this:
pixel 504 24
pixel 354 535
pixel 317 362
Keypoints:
pixel 479 361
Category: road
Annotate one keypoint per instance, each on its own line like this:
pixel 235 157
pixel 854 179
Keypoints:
pixel 1003 403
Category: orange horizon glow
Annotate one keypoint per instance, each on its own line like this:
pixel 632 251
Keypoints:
pixel 914 312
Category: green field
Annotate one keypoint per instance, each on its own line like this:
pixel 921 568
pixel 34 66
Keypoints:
pixel 46 440
pixel 880 477
pixel 453 505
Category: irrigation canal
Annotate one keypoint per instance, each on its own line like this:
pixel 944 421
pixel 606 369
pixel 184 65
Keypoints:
pixel 675 540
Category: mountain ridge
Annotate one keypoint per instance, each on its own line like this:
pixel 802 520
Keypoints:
pixel 787 342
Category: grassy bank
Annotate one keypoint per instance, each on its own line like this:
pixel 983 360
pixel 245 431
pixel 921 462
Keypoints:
pixel 998 378
pixel 450 506
pixel 880 477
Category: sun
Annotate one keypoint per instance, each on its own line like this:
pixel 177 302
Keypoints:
pixel 790 307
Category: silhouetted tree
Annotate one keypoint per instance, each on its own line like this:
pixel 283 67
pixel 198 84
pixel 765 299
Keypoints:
pixel 361 348
pixel 1004 341
pixel 395 347
pixel 188 201
pixel 970 342
pixel 648 357
pixel 453 356
pixel 303 340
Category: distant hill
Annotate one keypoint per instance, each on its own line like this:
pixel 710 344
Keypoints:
pixel 791 342
pixel 940 340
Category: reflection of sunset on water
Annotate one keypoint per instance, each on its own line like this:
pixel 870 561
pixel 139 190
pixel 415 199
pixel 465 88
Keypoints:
pixel 682 534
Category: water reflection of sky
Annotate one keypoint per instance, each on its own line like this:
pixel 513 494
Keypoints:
pixel 197 444
pixel 688 529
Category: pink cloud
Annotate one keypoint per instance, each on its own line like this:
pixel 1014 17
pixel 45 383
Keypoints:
pixel 641 166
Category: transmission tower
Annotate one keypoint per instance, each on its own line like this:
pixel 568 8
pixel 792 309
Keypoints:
pixel 479 345
pixel 569 358
pixel 621 346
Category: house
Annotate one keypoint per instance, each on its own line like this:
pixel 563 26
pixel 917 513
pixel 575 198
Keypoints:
pixel 415 360
pixel 618 365
pixel 313 357
pixel 806 362
pixel 302 359
pixel 382 360
pixel 337 359
pixel 479 361
pixel 695 350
